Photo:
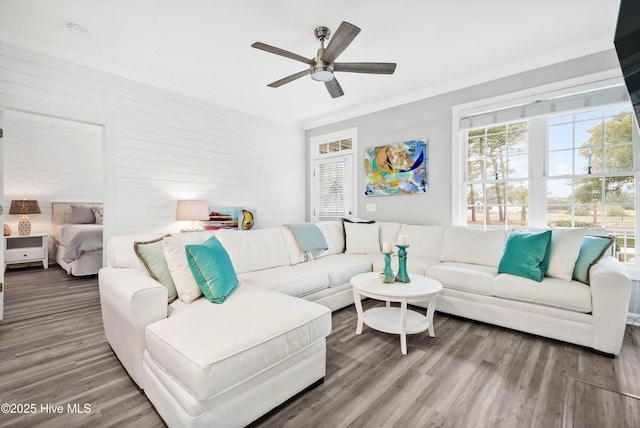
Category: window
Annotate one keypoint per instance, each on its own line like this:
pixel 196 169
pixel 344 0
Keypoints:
pixel 565 161
pixel 332 160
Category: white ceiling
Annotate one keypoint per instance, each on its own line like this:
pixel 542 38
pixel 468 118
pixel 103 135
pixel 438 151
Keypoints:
pixel 202 47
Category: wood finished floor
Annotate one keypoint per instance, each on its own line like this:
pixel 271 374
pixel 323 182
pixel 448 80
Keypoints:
pixel 53 350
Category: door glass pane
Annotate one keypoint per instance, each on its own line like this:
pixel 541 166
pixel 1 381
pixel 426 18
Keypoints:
pixel 332 189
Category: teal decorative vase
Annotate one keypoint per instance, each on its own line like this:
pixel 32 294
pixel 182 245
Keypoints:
pixel 387 272
pixel 402 275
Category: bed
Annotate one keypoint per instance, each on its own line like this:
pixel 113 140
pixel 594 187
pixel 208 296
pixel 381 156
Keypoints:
pixel 77 236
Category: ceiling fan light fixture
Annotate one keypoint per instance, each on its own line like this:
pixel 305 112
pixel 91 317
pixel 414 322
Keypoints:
pixel 322 75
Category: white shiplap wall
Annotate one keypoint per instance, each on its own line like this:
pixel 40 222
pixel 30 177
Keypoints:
pixel 50 160
pixel 162 146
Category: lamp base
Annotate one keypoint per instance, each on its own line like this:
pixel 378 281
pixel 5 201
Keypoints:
pixel 24 226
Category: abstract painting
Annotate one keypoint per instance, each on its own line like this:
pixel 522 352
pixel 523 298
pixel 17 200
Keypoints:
pixel 397 169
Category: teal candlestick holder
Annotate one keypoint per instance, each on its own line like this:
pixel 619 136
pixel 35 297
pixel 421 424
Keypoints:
pixel 402 275
pixel 387 272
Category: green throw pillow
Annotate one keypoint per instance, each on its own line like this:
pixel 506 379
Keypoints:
pixel 524 253
pixel 593 248
pixel 212 268
pixel 152 257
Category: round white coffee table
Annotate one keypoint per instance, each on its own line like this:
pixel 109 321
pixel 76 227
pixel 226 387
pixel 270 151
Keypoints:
pixel 396 320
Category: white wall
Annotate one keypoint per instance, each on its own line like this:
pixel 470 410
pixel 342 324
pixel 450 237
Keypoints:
pixel 50 160
pixel 161 146
pixel 431 119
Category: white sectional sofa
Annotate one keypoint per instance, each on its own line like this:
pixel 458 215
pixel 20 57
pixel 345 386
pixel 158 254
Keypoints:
pixel 205 364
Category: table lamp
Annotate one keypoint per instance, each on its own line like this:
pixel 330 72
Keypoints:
pixel 24 208
pixel 192 210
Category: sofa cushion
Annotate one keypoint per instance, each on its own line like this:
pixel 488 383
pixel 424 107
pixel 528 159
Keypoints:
pixel 571 295
pixel 334 234
pixel 389 232
pixel 297 281
pixel 425 241
pixel 524 253
pixel 212 269
pixel 254 249
pixel 341 267
pixel 176 256
pixel 293 250
pixel 209 348
pixel 565 247
pixel 477 246
pixel 469 277
pixel 151 254
pixel 593 248
pixel 120 251
pixel 362 238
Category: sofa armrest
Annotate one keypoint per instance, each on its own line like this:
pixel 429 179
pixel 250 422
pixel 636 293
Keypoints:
pixel 130 300
pixel 610 294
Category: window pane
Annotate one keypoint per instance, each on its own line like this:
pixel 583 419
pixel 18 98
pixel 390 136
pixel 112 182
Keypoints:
pixel 496 215
pixel 559 191
pixel 517 138
pixel 588 133
pixel 495 193
pixel 588 190
pixel 619 129
pixel 587 215
pixel 517 193
pixel 476 170
pixel 475 194
pixel 619 217
pixel 560 163
pixel 560 119
pixel 332 189
pixel 619 158
pixel 620 190
pixel 496 168
pixel 561 137
pixel 496 144
pixel 596 114
pixel 559 216
pixel 518 216
pixel 475 215
pixel 475 147
pixel 518 166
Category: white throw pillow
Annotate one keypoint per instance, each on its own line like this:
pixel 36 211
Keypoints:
pixel 565 248
pixel 176 255
pixel 362 238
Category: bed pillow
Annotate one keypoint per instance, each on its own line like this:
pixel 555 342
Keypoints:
pixel 524 253
pixel 82 214
pixel 151 254
pixel 98 212
pixel 593 248
pixel 362 238
pixel 212 269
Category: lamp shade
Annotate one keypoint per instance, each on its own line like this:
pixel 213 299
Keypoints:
pixel 24 207
pixel 191 210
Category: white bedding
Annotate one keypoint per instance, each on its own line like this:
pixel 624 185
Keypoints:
pixel 66 232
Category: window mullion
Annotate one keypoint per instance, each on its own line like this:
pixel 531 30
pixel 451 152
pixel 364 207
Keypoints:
pixel 537 173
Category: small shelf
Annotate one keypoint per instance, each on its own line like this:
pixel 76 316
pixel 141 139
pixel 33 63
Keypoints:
pixel 388 320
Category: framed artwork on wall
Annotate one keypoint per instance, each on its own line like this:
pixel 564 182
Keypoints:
pixel 397 169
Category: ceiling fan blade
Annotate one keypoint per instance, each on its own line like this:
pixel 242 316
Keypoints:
pixel 342 38
pixel 334 88
pixel 274 50
pixel 288 79
pixel 366 67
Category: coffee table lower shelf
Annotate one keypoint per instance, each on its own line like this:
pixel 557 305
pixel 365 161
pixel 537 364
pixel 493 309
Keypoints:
pixel 389 320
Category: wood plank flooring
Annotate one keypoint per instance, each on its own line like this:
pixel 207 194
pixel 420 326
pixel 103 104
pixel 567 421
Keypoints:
pixel 53 350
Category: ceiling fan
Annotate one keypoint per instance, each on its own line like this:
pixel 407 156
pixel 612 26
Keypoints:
pixel 323 65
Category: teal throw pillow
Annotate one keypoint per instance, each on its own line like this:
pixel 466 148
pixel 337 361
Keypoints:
pixel 524 253
pixel 593 248
pixel 212 269
pixel 151 254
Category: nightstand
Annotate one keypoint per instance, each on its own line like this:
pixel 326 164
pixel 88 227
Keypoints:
pixel 27 248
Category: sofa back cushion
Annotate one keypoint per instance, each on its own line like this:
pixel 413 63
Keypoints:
pixel 424 241
pixel 121 254
pixel 253 250
pixel 477 246
pixel 389 232
pixel 333 232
